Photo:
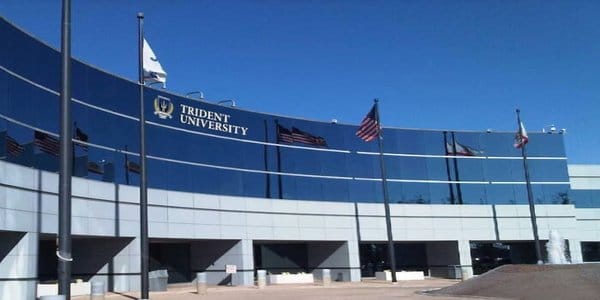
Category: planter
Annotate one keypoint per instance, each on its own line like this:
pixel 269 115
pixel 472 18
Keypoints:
pixel 290 278
pixel 77 289
pixel 402 275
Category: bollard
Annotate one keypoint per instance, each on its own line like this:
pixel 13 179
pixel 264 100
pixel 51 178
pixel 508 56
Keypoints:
pixel 201 283
pixel 326 277
pixel 261 278
pixel 97 290
pixel 464 274
pixel 53 297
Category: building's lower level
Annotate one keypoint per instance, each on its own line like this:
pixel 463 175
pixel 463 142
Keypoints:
pixel 192 233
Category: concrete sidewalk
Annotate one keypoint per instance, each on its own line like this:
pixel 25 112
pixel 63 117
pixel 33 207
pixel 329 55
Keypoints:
pixel 367 289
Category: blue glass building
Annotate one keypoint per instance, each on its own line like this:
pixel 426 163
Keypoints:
pixel 230 186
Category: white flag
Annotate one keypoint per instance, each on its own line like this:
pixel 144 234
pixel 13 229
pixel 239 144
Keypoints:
pixel 153 71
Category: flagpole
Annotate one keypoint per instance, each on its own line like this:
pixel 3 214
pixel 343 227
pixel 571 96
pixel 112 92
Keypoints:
pixel 458 189
pixel 388 221
pixel 66 159
pixel 73 151
pixel 73 145
pixel 143 188
pixel 452 200
pixel 266 161
pixel 536 238
pixel 126 167
pixel 279 183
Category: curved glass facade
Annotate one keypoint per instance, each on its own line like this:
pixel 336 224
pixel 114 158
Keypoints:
pixel 201 147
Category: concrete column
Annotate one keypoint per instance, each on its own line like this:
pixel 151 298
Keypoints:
pixel 130 282
pixel 20 262
pixel 441 256
pixel 126 260
pixel 261 278
pixel 354 260
pixel 214 255
pixel 335 256
pixel 326 277
pixel 575 251
pixel 246 277
pixel 97 292
pixel 201 283
pixel 464 252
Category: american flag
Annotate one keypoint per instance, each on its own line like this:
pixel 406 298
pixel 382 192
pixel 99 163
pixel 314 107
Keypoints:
pixel 307 138
pixel 13 148
pixel 47 143
pixel 296 135
pixel 284 135
pixel 369 128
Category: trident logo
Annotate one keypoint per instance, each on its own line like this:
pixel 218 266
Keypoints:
pixel 163 107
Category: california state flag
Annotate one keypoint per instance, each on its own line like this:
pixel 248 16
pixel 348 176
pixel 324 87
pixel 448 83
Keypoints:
pixel 521 137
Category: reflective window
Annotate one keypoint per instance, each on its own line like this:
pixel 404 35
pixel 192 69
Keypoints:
pixel 202 147
pixel 585 198
pixel 590 251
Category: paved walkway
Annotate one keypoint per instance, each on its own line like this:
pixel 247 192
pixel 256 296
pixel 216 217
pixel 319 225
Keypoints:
pixel 367 289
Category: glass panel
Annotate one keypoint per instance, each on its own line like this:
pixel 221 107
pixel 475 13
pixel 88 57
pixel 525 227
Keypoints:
pixel 500 194
pixel 220 150
pixel 548 170
pixel 590 251
pixel 406 168
pixel 367 166
pixel 504 170
pixel 368 191
pixel 404 141
pixel 499 144
pixel 544 144
pixel 439 169
pixel 415 193
pixel 467 143
pixel 4 95
pixel 473 194
pixel 556 194
pixel 440 193
pixel 470 169
pixel 585 198
pixel 434 142
pixel 521 194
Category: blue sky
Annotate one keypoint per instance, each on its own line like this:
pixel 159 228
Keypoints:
pixel 460 65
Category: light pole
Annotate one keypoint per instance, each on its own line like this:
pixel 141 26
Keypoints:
pixel 552 129
pixel 63 251
pixel 549 129
pixel 201 97
pixel 231 101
